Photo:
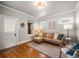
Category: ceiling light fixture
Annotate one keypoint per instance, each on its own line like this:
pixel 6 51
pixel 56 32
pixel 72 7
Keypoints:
pixel 40 4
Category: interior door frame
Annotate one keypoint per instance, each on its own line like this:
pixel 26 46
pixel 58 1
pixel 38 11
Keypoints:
pixel 15 28
pixel 17 22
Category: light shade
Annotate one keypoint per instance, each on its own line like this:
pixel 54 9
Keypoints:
pixel 40 4
pixel 68 26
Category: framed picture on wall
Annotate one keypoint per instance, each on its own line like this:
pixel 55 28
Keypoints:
pixel 51 25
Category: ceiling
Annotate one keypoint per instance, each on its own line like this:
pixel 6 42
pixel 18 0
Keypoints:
pixel 53 7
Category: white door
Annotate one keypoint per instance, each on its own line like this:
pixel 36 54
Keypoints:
pixel 10 31
pixel 1 32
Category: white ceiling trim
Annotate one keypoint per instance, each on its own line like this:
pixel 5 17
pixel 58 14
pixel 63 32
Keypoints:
pixel 16 10
pixel 77 5
pixel 36 0
pixel 46 17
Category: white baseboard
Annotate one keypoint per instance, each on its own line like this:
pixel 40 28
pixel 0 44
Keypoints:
pixel 18 44
pixel 24 41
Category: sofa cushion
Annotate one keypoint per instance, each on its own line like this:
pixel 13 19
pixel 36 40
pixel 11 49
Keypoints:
pixel 38 38
pixel 45 34
pixel 48 38
pixel 49 35
pixel 36 34
pixel 53 35
pixel 55 40
pixel 40 34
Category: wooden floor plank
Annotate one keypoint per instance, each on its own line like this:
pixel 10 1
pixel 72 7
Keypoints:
pixel 22 51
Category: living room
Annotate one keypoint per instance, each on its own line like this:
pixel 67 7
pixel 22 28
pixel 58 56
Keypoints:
pixel 39 29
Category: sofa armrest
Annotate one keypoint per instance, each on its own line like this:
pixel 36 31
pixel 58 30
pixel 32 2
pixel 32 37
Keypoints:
pixel 62 43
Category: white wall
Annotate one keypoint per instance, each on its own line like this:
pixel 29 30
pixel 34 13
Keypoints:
pixel 77 21
pixel 1 31
pixel 59 28
pixel 22 19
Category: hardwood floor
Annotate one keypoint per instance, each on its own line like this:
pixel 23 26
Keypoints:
pixel 22 51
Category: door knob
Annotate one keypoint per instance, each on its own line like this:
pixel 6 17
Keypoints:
pixel 15 34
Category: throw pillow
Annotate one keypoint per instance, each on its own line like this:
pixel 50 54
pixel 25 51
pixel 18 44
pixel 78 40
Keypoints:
pixel 55 36
pixel 70 52
pixel 59 36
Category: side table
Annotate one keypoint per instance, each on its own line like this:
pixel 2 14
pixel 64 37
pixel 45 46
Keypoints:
pixel 68 39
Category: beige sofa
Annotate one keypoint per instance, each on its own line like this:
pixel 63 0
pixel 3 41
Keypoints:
pixel 38 37
pixel 49 37
pixel 53 38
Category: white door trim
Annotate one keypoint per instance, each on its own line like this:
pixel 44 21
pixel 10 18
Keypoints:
pixel 16 29
pixel 17 40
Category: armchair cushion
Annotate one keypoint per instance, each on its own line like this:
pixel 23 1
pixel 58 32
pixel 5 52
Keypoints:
pixel 70 52
pixel 64 50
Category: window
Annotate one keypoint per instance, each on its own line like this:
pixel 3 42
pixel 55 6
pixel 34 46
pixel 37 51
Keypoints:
pixel 9 25
pixel 29 28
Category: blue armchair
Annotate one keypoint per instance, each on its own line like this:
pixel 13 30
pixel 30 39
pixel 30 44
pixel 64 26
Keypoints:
pixel 70 51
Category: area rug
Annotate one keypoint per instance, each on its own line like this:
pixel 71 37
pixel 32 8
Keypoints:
pixel 49 49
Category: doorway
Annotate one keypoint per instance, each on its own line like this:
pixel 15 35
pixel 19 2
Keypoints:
pixel 10 31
